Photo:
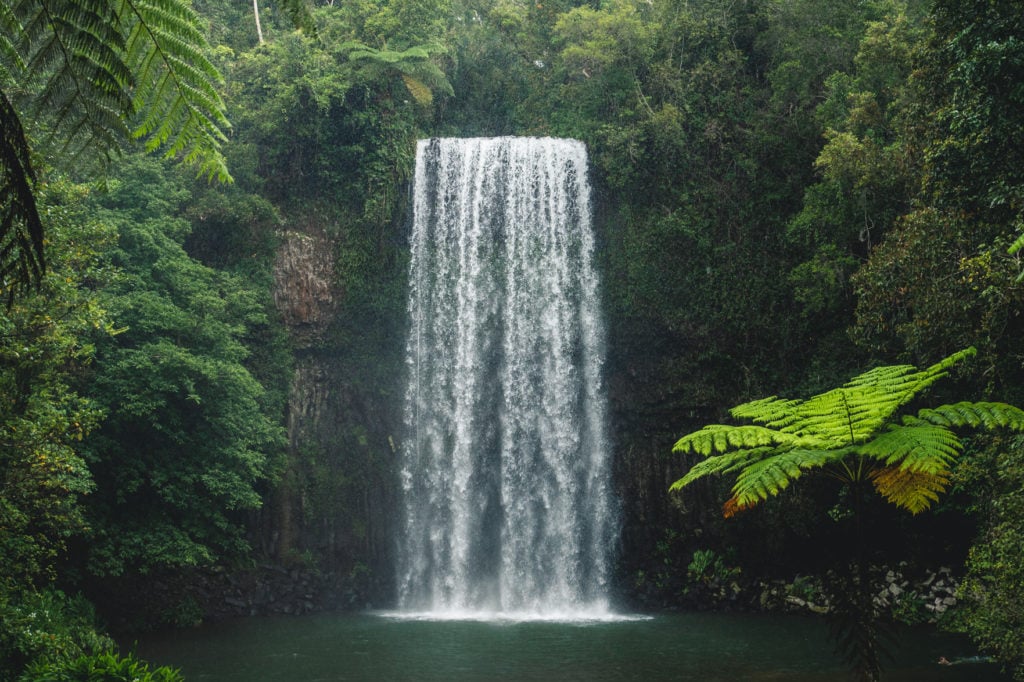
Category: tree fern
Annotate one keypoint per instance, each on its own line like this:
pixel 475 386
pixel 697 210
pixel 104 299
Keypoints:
pixel 90 75
pixel 420 75
pixel 852 432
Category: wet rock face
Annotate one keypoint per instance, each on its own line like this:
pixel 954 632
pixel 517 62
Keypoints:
pixel 304 284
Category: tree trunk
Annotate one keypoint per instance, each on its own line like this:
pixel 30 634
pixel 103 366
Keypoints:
pixel 256 13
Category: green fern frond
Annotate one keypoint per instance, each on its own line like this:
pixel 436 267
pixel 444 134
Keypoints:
pixel 858 423
pixel 300 14
pixel 983 414
pixel 774 412
pixel 924 448
pixel 419 74
pixel 720 438
pixel 178 109
pixel 10 35
pixel 75 70
pixel 721 464
pixel 770 476
pixel 914 491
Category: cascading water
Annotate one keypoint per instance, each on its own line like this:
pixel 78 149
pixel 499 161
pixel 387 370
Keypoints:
pixel 505 471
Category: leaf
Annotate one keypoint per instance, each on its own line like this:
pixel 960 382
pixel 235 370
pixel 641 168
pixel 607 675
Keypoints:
pixel 771 475
pixel 921 447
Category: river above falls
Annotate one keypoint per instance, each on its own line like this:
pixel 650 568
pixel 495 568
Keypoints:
pixel 704 647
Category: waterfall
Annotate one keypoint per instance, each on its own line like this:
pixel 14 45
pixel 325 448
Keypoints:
pixel 507 505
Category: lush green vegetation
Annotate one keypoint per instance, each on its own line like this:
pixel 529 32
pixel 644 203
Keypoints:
pixel 789 193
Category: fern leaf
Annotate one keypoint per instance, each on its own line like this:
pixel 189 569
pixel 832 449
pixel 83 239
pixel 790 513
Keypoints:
pixel 21 231
pixel 721 464
pixel 722 438
pixel 771 475
pixel 774 412
pixel 988 415
pixel 178 110
pixel 74 64
pixel 925 448
pixel 914 491
pixel 420 92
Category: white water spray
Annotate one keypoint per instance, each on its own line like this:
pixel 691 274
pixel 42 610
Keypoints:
pixel 505 467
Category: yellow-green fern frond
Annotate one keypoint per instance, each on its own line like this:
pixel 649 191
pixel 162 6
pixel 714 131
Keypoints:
pixel 420 92
pixel 914 491
pixel 773 412
pixel 849 432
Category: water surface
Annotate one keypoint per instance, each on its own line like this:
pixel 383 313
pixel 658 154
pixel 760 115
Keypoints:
pixel 704 647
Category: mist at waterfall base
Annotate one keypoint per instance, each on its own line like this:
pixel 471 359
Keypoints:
pixel 505 465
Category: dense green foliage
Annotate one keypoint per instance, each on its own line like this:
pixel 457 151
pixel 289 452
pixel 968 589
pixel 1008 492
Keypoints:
pixel 787 193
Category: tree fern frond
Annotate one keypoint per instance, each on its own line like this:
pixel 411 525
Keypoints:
pixel 420 92
pixel 771 475
pixel 987 415
pixel 420 75
pixel 721 464
pixel 924 447
pixel 719 438
pixel 179 110
pixel 21 231
pixel 10 36
pixel 774 412
pixel 914 491
pixel 300 14
pixel 73 51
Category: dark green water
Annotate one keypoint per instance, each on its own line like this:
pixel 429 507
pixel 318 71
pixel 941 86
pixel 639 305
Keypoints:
pixel 704 647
